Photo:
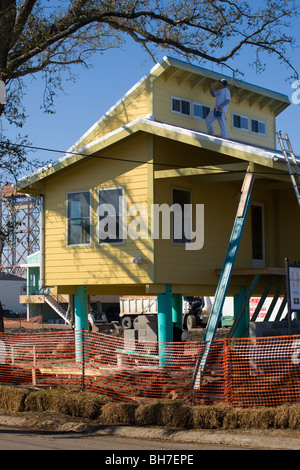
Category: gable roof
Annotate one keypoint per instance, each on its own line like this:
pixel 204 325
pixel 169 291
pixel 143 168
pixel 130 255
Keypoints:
pixel 168 67
pixel 194 74
pixel 11 277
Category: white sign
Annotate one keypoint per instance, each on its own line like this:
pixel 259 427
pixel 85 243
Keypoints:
pixel 294 280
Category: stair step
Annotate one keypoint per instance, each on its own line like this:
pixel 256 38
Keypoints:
pixel 57 308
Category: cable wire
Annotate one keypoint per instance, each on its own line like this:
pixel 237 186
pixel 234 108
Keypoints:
pixel 173 166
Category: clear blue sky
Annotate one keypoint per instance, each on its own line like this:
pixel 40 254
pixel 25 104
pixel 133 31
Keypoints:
pixel 113 74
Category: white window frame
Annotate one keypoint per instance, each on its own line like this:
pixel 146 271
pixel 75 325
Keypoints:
pixel 242 117
pixel 181 100
pixel 201 105
pixel 259 122
pixel 120 241
pixel 67 218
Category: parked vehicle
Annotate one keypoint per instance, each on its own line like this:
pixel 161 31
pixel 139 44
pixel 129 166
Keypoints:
pixel 195 310
pixel 10 314
pixel 95 318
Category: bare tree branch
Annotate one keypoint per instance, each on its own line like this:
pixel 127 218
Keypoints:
pixel 40 38
pixel 180 28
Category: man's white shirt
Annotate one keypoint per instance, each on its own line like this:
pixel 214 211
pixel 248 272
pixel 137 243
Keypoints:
pixel 222 96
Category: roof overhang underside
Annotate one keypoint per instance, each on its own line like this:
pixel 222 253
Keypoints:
pixel 240 90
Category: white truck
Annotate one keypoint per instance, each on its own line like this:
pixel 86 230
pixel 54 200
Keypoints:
pixel 195 310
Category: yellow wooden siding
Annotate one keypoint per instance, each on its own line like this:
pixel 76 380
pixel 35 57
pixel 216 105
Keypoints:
pixel 175 264
pixel 123 114
pixel 94 264
pixel 252 112
pixel 288 221
pixel 164 91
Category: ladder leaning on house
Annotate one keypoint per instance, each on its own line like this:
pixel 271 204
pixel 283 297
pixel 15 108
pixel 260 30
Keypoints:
pixel 291 162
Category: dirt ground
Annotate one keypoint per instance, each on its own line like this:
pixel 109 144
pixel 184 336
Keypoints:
pixel 196 334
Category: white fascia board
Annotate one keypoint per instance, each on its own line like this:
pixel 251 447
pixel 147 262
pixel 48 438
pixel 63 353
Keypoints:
pixel 135 126
pixel 194 134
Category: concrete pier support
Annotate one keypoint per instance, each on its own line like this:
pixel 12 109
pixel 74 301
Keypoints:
pixel 81 321
pixel 244 322
pixel 177 310
pixel 165 325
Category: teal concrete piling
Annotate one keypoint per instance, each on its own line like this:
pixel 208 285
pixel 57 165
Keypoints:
pixel 177 310
pixel 81 321
pixel 165 326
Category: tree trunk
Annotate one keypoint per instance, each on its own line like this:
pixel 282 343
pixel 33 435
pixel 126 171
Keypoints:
pixel 1 309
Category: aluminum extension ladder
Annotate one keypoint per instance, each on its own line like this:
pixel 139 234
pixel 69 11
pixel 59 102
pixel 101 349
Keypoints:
pixel 223 284
pixel 291 162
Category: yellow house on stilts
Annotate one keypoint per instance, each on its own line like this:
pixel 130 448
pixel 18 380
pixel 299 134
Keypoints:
pixel 151 152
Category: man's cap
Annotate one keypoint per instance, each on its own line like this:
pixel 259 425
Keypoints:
pixel 223 81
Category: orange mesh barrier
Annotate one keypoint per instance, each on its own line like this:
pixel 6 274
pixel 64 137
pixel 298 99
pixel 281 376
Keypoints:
pixel 237 372
pixel 264 371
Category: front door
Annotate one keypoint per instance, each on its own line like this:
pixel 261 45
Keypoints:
pixel 258 235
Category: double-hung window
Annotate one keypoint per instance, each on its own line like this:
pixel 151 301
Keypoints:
pixel 79 218
pixel 181 106
pixel 111 216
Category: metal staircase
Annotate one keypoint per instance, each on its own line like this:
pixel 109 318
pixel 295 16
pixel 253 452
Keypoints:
pixel 56 306
pixel 291 162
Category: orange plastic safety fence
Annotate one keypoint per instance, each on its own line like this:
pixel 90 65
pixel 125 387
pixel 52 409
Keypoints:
pixel 236 372
pixel 263 371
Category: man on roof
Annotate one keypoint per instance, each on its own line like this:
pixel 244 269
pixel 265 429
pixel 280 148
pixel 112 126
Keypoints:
pixel 219 112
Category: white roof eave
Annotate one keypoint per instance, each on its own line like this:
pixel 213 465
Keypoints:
pixel 244 147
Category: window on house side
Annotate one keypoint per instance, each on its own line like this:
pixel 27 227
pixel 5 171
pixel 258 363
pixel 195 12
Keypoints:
pixel 200 110
pixel 176 105
pixel 78 215
pixel 185 107
pixel 240 122
pixel 110 215
pixel 258 127
pixel 181 106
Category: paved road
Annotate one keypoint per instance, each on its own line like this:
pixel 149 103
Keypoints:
pixel 21 439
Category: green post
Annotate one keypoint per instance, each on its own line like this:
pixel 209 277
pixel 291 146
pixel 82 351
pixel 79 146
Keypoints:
pixel 244 322
pixel 81 321
pixel 177 309
pixel 164 325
